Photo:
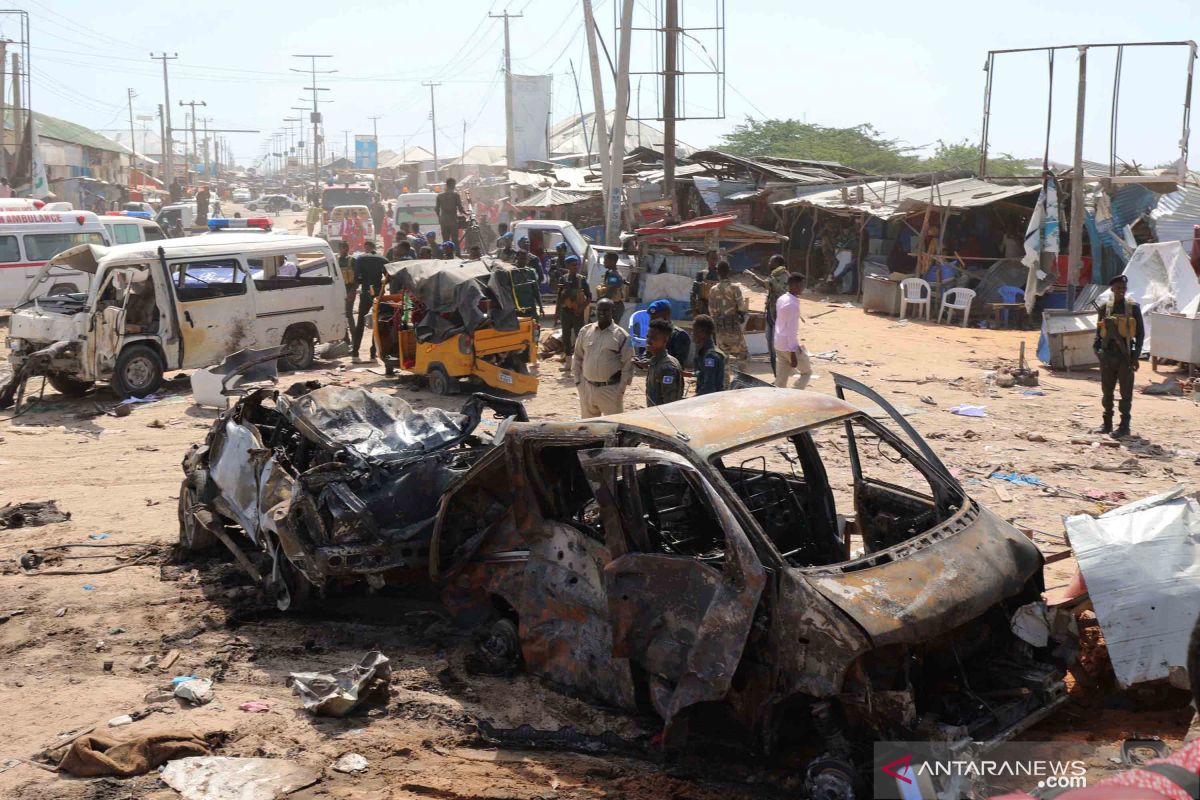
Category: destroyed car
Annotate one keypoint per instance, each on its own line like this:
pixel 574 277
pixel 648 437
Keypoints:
pixel 782 563
pixel 328 485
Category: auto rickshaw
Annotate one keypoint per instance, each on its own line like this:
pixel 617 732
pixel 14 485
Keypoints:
pixel 452 321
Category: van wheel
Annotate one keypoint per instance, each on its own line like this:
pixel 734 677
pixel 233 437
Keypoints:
pixel 193 537
pixel 299 351
pixel 68 386
pixel 139 371
pixel 497 650
pixel 439 381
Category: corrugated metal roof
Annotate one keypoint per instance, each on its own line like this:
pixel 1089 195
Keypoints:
pixel 59 129
pixel 548 198
pixel 1176 214
pixel 887 199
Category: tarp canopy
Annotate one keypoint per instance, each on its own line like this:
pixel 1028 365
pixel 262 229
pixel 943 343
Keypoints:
pixel 453 292
pixel 549 198
pixel 701 224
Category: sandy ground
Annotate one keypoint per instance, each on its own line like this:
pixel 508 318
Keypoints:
pixel 120 477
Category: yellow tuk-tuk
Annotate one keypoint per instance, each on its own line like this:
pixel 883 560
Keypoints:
pixel 452 321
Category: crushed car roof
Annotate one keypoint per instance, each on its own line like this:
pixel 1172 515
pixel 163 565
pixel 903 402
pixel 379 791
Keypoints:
pixel 723 421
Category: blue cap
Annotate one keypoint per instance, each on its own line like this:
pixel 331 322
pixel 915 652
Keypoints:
pixel 523 240
pixel 447 245
pixel 571 260
pixel 659 306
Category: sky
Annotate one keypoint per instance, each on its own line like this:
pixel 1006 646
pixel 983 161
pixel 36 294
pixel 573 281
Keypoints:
pixel 913 70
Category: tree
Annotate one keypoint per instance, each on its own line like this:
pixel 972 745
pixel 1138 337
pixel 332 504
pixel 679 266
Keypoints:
pixel 862 147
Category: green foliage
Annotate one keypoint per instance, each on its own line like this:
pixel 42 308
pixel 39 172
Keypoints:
pixel 861 147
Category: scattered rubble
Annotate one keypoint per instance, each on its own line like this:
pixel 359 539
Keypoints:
pixel 337 693
pixel 222 778
pixel 31 514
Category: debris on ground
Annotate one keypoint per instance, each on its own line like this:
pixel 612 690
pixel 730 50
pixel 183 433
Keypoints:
pixel 255 707
pixel 966 410
pixel 1019 478
pixel 98 755
pixel 1142 571
pixel 197 691
pixel 32 514
pixel 223 778
pixel 350 763
pixel 337 693
pixel 1171 387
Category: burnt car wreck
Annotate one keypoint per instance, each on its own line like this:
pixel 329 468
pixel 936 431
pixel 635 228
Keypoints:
pixel 784 564
pixel 313 487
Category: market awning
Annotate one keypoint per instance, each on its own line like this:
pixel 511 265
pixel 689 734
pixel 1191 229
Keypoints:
pixel 890 199
pixel 548 198
pixel 711 222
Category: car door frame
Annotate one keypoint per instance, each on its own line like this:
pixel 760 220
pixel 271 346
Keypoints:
pixel 184 323
pixel 721 636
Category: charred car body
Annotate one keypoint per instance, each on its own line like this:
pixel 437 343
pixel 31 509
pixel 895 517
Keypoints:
pixel 700 560
pixel 331 484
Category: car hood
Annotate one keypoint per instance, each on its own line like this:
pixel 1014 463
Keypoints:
pixel 935 583
pixel 81 257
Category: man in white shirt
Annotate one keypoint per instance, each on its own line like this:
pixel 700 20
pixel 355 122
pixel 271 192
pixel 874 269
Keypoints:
pixel 790 355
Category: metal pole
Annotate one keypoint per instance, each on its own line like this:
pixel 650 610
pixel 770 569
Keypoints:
pixel 132 140
pixel 587 146
pixel 162 139
pixel 3 114
pixel 617 158
pixel 987 115
pixel 1075 259
pixel 670 48
pixel 1187 115
pixel 168 155
pixel 510 143
pixel 375 136
pixel 433 119
pixel 601 116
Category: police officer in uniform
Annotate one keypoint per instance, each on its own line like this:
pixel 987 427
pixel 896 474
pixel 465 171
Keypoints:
pixel 728 308
pixel 710 360
pixel 1120 333
pixel 664 375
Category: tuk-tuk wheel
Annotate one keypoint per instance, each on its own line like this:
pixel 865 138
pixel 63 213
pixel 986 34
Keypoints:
pixel 439 381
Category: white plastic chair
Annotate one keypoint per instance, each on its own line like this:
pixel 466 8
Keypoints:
pixel 915 291
pixel 957 300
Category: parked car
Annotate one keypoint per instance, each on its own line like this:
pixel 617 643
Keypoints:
pixel 175 304
pixel 783 561
pixel 276 202
pixel 240 195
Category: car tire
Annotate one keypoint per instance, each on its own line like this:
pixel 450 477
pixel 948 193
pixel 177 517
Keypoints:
pixel 68 386
pixel 297 208
pixel 299 353
pixel 193 537
pixel 251 207
pixel 497 649
pixel 440 381
pixel 139 371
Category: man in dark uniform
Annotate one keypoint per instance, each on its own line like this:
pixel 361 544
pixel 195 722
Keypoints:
pixel 699 300
pixel 710 361
pixel 1120 333
pixel 680 344
pixel 571 307
pixel 556 265
pixel 664 375
pixel 613 285
pixel 368 274
pixel 449 206
pixel 526 280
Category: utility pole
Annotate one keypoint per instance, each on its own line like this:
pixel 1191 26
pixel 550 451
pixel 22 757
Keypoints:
pixel 601 116
pixel 315 116
pixel 206 120
pixel 670 50
pixel 375 136
pixel 132 140
pixel 19 128
pixel 616 163
pixel 192 104
pixel 168 144
pixel 462 159
pixel 510 144
pixel 3 114
pixel 433 119
pixel 346 144
pixel 1075 256
pixel 162 139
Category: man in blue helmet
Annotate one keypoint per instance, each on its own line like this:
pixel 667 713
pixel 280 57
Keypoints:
pixel 679 345
pixel 571 309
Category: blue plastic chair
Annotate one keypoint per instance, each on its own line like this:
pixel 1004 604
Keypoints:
pixel 1010 294
pixel 639 324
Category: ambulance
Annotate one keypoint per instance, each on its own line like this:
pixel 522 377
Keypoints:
pixel 28 239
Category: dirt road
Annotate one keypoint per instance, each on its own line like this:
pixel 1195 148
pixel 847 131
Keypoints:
pixel 119 478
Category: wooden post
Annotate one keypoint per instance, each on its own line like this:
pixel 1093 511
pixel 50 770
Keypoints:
pixel 1075 257
pixel 862 255
pixel 812 238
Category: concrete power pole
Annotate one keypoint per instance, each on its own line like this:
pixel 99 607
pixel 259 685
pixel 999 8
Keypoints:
pixel 1075 256
pixel 433 120
pixel 192 104
pixel 617 159
pixel 510 143
pixel 168 140
pixel 132 140
pixel 3 113
pixel 601 117
pixel 670 51
pixel 315 115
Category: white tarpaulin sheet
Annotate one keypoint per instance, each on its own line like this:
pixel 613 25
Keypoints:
pixel 1160 279
pixel 1041 244
pixel 531 114
pixel 1141 564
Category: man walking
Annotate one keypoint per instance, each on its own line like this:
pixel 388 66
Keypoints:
pixel 449 206
pixel 776 285
pixel 369 272
pixel 603 359
pixel 664 374
pixel 790 355
pixel 346 266
pixel 312 217
pixel 1120 333
pixel 176 190
pixel 710 361
pixel 202 198
pixel 727 305
pixel 526 287
pixel 571 308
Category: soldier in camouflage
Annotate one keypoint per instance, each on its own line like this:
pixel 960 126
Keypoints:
pixel 727 306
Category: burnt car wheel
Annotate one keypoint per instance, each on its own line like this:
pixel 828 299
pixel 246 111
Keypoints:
pixel 139 371
pixel 68 386
pixel 439 381
pixel 498 651
pixel 299 352
pixel 288 586
pixel 193 537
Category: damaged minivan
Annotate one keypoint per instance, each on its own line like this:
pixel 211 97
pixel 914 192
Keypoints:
pixel 781 563
pixel 328 485
pixel 149 307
